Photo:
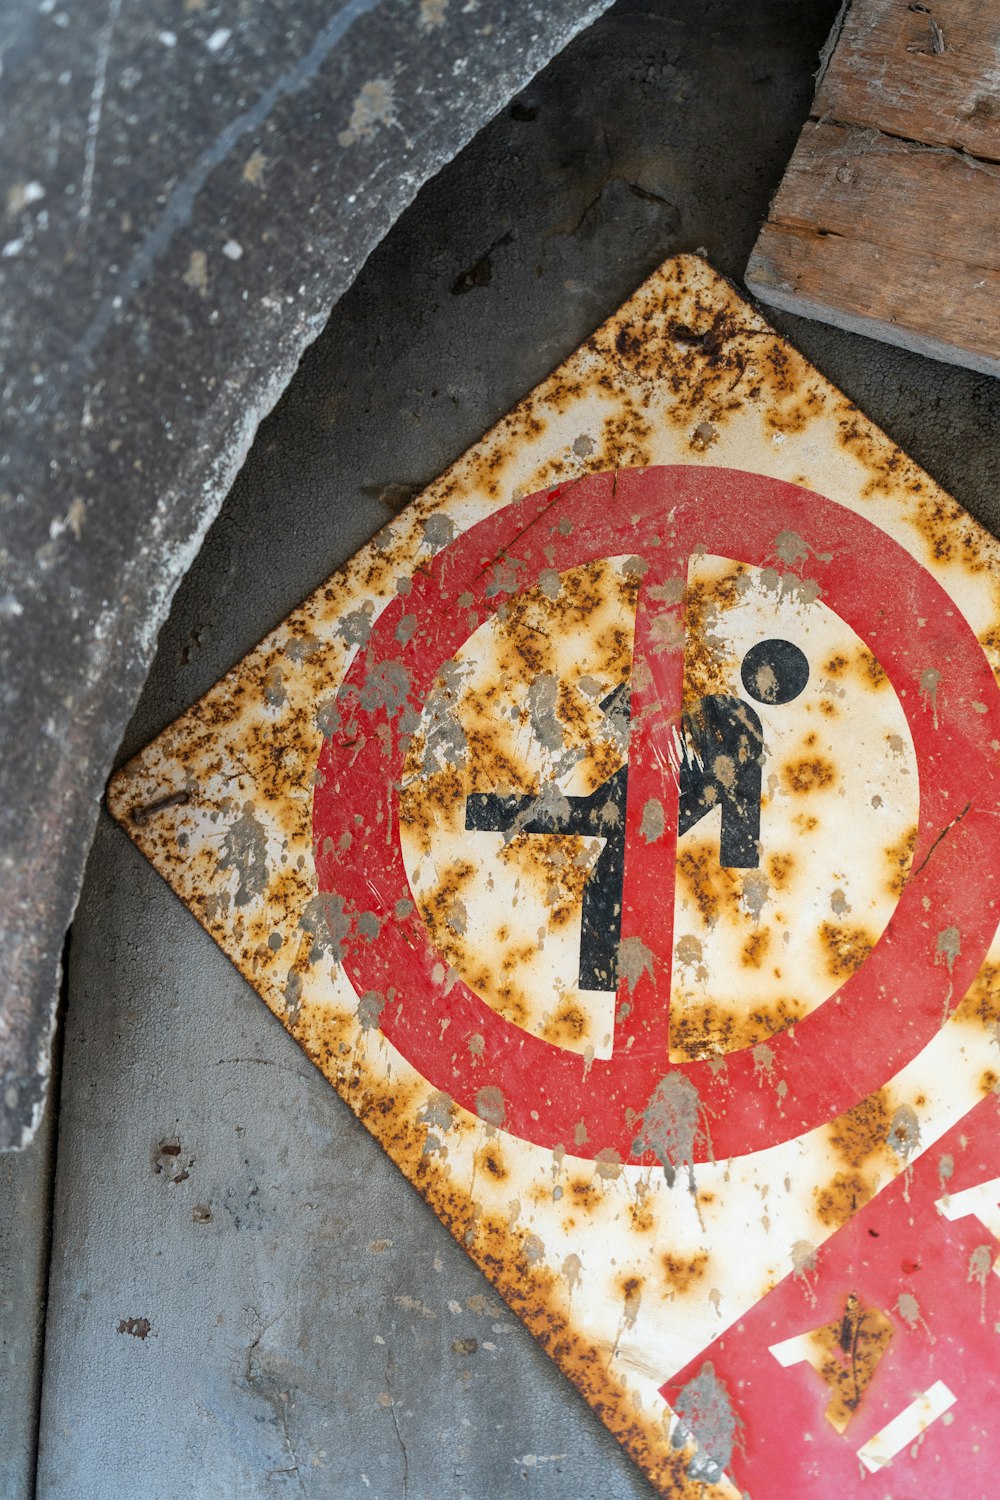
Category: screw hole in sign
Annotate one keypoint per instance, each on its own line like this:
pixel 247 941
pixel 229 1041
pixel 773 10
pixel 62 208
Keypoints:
pixel 880 1016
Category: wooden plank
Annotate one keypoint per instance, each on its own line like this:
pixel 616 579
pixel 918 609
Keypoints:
pixel 867 186
pixel 927 72
pixel 886 221
pixel 883 292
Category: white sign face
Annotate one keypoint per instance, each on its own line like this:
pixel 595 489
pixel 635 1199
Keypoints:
pixel 605 831
pixel 760 949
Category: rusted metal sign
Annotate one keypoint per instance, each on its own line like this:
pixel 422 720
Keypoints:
pixel 619 834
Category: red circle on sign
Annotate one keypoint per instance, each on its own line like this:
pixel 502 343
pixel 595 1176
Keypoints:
pixel 881 1016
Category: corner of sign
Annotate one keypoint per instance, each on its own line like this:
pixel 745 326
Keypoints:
pixel 132 797
pixel 693 271
pixel 116 793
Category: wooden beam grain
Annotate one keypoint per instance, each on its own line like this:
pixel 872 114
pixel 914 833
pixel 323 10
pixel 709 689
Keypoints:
pixel 861 184
pixel 887 220
pixel 884 292
pixel 926 72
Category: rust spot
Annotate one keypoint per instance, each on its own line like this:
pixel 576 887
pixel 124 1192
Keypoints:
pixel 493 1163
pixel 569 1024
pixel 870 670
pixel 707 669
pixel 710 886
pixel 845 948
pixel 862 1132
pixel 433 804
pixel 841 1198
pixel 847 1354
pixel 808 774
pixel 641 1218
pixel 898 859
pixel 779 868
pixel 682 1272
pixel 948 533
pixel 755 948
pixel 709 1029
pixel 982 1002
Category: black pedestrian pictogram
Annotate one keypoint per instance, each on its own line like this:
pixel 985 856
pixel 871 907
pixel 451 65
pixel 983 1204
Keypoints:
pixel 722 750
pixel 600 814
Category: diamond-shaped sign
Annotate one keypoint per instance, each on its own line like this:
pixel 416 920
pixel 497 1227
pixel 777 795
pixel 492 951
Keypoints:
pixel 619 833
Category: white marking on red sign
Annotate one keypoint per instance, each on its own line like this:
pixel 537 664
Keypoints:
pixel 880 1450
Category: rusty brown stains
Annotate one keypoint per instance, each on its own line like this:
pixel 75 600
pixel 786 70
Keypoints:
pixel 845 948
pixel 990 642
pixel 682 1272
pixel 625 436
pixel 548 863
pixel 898 860
pixel 571 711
pixel 779 868
pixel 862 1132
pixel 707 669
pixel 870 670
pixel 794 414
pixel 981 1004
pixel 841 1198
pixel 755 948
pixel 711 361
pixel 948 534
pixel 493 1163
pixel 641 1218
pixel 438 905
pixel 711 887
pixel 849 1351
pixel 568 1025
pixel 812 773
pixel 988 1082
pixel 858 438
pixel 492 766
pixel 706 1030
pixel 433 804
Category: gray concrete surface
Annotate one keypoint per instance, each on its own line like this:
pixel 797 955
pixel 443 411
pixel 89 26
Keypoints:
pixel 248 1300
pixel 208 1181
pixel 25 1214
pixel 186 192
